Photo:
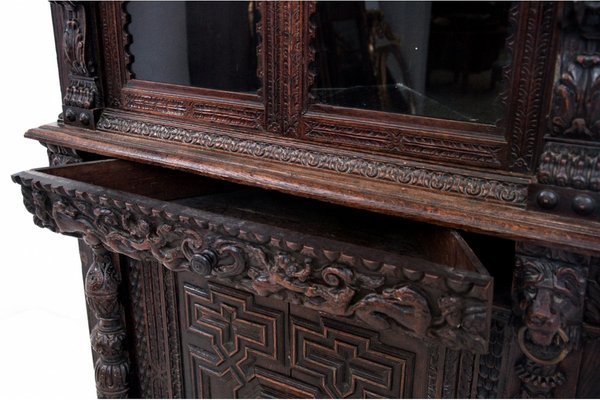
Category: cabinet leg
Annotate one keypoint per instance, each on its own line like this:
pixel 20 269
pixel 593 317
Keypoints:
pixel 549 289
pixel 108 335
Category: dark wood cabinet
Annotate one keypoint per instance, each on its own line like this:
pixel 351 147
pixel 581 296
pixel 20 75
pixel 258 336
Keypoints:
pixel 300 199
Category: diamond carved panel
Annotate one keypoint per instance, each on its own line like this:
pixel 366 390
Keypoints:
pixel 349 363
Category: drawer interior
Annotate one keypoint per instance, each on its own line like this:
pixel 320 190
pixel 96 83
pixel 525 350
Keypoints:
pixel 311 217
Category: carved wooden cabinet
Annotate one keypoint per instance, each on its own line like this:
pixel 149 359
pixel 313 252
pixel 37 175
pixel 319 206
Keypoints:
pixel 308 199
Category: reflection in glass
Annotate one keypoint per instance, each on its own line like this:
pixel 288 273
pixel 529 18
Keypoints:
pixel 438 59
pixel 204 44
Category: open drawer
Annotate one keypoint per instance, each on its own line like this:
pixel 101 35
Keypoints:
pixel 379 272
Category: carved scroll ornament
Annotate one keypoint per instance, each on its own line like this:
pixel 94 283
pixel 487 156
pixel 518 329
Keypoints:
pixel 440 307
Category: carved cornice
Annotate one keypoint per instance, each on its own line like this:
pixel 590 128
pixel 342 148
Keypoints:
pixel 469 186
pixel 443 306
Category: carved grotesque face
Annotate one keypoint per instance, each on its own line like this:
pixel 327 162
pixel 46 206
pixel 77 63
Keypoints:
pixel 550 298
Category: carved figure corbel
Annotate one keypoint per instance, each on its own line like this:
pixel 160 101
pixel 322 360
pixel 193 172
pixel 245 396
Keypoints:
pixel 82 100
pixel 548 297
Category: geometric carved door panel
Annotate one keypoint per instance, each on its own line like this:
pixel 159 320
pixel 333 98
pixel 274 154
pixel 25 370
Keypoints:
pixel 238 345
pixel 349 363
pixel 232 347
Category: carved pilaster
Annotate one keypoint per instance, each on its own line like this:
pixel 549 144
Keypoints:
pixel 569 168
pixel 284 64
pixel 82 96
pixel 108 336
pixel 549 290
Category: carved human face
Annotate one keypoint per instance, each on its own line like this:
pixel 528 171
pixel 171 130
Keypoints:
pixel 550 298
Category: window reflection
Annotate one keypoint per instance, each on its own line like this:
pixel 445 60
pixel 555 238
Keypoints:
pixel 204 44
pixel 438 59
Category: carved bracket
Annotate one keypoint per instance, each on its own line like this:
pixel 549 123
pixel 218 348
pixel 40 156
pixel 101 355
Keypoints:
pixel 548 298
pixel 446 307
pixel 60 155
pixel 82 101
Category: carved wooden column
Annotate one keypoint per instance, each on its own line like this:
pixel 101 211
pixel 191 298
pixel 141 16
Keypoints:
pixel 75 28
pixel 108 336
pixel 549 291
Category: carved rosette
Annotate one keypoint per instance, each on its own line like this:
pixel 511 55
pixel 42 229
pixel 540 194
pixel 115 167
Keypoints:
pixel 82 99
pixel 449 308
pixel 548 297
pixel 108 336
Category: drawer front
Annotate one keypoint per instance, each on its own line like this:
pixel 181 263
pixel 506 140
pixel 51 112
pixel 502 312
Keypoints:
pixel 370 287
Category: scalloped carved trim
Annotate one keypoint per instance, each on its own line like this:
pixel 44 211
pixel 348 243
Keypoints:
pixel 472 187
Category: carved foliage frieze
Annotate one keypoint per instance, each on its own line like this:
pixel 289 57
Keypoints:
pixel 448 308
pixel 469 186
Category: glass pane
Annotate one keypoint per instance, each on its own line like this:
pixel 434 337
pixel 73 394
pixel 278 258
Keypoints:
pixel 438 59
pixel 204 44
